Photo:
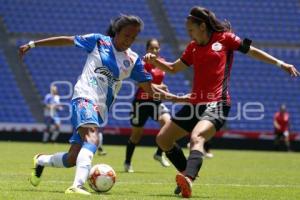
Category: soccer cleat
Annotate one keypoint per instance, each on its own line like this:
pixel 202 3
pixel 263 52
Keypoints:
pixel 209 155
pixel 77 190
pixel 101 152
pixel 35 178
pixel 177 190
pixel 185 184
pixel 162 160
pixel 128 168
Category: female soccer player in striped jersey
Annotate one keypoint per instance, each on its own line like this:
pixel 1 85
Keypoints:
pixel 109 61
pixel 210 52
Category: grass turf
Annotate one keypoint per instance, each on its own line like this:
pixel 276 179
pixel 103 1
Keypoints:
pixel 229 175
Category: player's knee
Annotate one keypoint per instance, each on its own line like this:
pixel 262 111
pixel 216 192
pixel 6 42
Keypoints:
pixel 93 139
pixel 197 140
pixel 90 135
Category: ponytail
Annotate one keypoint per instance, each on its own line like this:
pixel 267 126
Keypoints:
pixel 199 15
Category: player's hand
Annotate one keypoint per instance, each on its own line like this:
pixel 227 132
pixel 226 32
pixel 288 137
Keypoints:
pixel 23 50
pixel 185 98
pixel 291 69
pixel 150 58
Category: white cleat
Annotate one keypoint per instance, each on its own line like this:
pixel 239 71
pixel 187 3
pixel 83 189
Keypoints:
pixel 163 161
pixel 77 190
pixel 128 168
pixel 209 155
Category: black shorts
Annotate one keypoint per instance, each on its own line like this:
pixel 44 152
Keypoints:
pixel 190 115
pixel 143 109
pixel 279 135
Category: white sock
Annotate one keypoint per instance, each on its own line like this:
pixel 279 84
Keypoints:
pixel 55 160
pixel 100 139
pixel 45 136
pixel 54 135
pixel 83 166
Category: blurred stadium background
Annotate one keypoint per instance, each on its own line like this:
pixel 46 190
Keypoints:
pixel 273 25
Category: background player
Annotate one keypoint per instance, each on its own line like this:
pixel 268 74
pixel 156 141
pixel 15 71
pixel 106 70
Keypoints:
pixel 281 128
pixel 51 102
pixel 144 107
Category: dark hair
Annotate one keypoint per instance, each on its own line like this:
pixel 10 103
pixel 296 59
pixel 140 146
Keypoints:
pixel 199 14
pixel 120 22
pixel 149 42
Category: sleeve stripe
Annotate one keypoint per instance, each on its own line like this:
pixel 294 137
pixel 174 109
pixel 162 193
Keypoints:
pixel 184 62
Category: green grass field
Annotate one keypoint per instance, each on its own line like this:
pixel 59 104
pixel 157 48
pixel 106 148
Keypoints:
pixel 229 175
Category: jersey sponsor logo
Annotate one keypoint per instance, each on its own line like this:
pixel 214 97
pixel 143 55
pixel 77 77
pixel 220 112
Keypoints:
pixel 217 46
pixel 111 80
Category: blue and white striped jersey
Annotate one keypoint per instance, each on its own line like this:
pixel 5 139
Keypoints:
pixel 51 102
pixel 104 70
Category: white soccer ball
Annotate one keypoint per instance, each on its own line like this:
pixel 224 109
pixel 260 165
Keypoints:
pixel 102 177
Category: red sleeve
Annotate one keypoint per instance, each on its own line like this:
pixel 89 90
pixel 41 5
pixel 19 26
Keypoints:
pixel 187 56
pixel 232 41
pixel 148 67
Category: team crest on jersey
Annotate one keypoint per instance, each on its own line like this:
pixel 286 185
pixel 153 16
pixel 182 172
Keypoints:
pixel 126 63
pixel 217 46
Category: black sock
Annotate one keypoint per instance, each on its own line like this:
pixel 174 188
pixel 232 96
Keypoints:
pixel 177 158
pixel 129 151
pixel 158 151
pixel 194 164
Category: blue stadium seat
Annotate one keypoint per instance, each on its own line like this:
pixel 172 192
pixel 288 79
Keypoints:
pixel 12 104
pixel 72 16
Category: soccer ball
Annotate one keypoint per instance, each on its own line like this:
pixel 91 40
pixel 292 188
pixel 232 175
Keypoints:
pixel 102 177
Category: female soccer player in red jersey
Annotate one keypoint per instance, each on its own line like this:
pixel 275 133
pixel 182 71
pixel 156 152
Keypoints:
pixel 210 52
pixel 144 106
pixel 281 128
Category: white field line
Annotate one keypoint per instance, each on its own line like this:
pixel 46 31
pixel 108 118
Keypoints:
pixel 173 183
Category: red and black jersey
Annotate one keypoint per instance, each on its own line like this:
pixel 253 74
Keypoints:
pixel 212 65
pixel 157 78
pixel 283 120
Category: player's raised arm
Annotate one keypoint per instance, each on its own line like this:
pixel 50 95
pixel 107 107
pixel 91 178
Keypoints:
pixel 169 67
pixel 267 58
pixel 52 41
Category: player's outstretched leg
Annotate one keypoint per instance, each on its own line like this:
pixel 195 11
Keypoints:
pixel 84 159
pixel 130 147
